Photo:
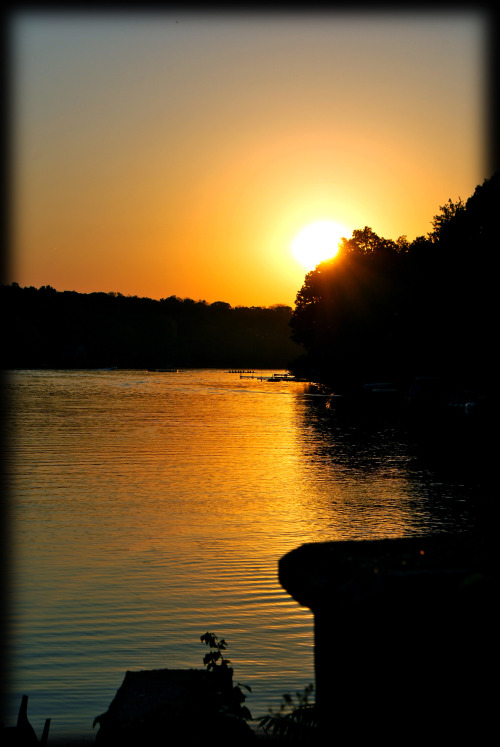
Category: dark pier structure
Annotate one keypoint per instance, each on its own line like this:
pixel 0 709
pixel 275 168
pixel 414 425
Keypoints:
pixel 405 638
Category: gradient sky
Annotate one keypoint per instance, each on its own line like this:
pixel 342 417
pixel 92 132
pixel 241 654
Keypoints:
pixel 180 154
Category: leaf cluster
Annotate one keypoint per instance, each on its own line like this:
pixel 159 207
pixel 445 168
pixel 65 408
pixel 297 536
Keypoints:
pixel 295 720
pixel 214 659
pixel 231 697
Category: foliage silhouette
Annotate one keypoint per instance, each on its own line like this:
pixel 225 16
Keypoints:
pixel 384 310
pixel 51 329
pixel 295 720
pixel 230 697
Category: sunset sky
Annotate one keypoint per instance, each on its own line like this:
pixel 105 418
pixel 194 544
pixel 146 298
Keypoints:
pixel 181 154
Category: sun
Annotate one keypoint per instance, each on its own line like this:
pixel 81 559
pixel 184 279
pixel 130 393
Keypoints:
pixel 318 241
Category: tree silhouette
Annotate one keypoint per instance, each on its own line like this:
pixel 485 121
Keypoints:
pixel 48 328
pixel 393 309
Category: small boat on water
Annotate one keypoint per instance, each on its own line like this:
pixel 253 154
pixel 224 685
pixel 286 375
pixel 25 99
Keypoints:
pixel 163 370
pixel 281 377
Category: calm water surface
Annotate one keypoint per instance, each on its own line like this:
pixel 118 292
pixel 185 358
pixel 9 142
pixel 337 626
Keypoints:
pixel 147 508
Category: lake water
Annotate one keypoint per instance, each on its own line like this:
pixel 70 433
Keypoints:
pixel 148 508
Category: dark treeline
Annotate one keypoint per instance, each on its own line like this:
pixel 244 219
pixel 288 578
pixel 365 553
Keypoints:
pixel 45 328
pixel 386 310
pixel 381 310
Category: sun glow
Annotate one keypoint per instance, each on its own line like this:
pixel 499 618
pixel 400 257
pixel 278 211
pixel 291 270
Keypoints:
pixel 317 242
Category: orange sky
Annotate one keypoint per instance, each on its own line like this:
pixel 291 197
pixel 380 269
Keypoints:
pixel 161 154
